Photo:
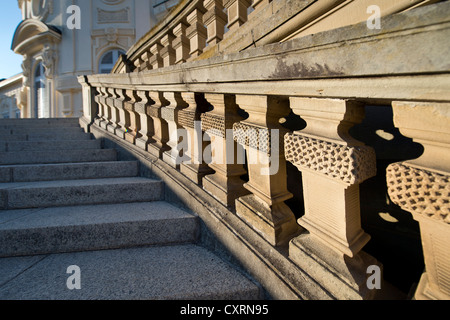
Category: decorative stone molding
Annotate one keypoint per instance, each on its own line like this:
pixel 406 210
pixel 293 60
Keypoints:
pixel 253 136
pixel 49 56
pixel 118 16
pixel 40 9
pixel 349 165
pixel 422 187
pixel 420 191
pixel 216 124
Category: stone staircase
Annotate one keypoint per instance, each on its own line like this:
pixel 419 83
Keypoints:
pixel 65 201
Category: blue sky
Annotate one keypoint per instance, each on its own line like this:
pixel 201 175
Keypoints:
pixel 10 17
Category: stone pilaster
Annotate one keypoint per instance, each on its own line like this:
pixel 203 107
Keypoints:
pixel 333 164
pixel 170 113
pixel 261 134
pixel 225 184
pixel 422 187
pixel 160 134
pixel 194 166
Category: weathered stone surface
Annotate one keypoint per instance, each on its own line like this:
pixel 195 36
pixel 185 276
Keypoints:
pixel 95 227
pixel 161 273
pixel 79 192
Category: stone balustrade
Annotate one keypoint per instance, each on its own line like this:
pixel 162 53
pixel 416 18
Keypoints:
pixel 220 126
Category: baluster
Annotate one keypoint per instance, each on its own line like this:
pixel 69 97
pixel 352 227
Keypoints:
pixel 237 12
pixel 167 52
pixel 194 166
pixel 181 43
pixel 161 132
pixel 137 64
pixel 170 113
pixel 422 187
pixel 196 32
pixel 133 119
pixel 333 164
pixel 225 184
pixel 144 134
pixel 156 60
pixel 215 20
pixel 264 209
pixel 100 99
pixel 122 118
pixel 145 62
pixel 109 104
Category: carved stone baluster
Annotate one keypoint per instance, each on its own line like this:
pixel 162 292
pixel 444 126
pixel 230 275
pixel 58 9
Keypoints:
pixel 156 60
pixel 264 210
pixel 167 52
pixel 137 64
pixel 100 99
pixel 110 110
pixel 225 184
pixel 333 164
pixel 132 117
pixel 161 134
pixel 196 32
pixel 122 117
pixel 170 114
pixel 145 61
pixel 237 12
pixel 143 137
pixel 422 187
pixel 194 166
pixel 181 43
pixel 215 20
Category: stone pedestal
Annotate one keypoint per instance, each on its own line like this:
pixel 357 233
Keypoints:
pixel 161 132
pixel 422 187
pixel 169 113
pixel 333 164
pixel 264 209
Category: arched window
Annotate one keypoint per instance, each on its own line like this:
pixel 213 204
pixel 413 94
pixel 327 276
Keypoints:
pixel 108 60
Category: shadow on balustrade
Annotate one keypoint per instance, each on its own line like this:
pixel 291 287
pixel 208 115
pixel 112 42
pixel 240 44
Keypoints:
pixel 395 235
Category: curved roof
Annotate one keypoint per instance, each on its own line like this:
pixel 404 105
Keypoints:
pixel 32 31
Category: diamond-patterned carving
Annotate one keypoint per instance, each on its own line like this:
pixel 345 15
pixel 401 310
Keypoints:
pixel 350 165
pixel 419 191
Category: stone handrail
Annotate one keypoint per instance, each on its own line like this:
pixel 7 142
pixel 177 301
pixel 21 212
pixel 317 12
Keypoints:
pixel 326 79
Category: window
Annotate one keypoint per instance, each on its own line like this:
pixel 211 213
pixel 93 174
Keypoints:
pixel 108 60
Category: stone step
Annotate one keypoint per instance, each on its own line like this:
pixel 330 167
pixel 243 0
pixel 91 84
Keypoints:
pixel 54 122
pixel 21 195
pixel 59 156
pixel 93 227
pixel 178 272
pixel 45 136
pixel 40 130
pixel 68 171
pixel 16 146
